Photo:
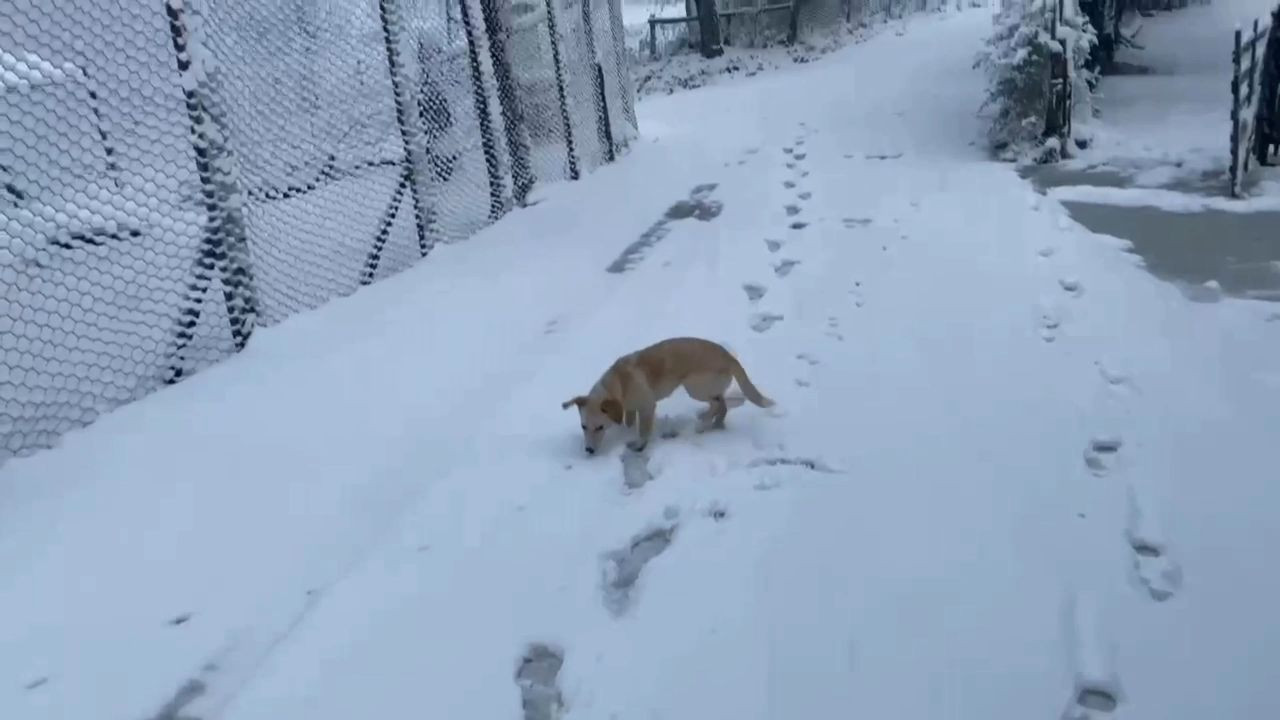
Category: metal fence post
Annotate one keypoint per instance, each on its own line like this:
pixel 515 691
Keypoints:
pixel 497 23
pixel 488 143
pixel 224 249
pixel 603 130
pixel 1234 170
pixel 570 147
pixel 390 19
pixel 620 60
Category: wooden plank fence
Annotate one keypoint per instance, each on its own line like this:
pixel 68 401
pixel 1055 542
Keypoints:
pixel 1255 117
pixel 726 17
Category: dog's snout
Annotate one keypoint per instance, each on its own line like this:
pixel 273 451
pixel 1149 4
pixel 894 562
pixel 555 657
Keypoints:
pixel 591 451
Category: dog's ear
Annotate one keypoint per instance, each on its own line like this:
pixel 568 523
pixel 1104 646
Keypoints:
pixel 613 409
pixel 579 401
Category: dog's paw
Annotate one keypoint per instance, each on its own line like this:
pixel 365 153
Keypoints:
pixel 636 446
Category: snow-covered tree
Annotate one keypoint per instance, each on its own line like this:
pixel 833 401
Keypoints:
pixel 1017 61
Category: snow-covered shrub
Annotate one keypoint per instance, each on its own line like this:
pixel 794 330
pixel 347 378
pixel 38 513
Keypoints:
pixel 1017 63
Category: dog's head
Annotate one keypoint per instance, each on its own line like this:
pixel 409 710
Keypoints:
pixel 596 414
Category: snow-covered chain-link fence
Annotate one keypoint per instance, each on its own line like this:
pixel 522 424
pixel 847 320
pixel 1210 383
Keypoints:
pixel 175 172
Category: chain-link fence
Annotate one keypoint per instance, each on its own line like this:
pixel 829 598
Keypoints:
pixel 175 172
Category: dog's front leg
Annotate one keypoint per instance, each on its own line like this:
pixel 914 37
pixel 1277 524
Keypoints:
pixel 646 429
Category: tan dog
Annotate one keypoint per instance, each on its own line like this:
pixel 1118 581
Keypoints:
pixel 631 388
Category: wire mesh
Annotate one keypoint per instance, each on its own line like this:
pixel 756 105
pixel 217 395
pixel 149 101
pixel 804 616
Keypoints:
pixel 174 173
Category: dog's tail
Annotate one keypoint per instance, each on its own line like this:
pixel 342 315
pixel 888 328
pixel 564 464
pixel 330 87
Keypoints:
pixel 748 389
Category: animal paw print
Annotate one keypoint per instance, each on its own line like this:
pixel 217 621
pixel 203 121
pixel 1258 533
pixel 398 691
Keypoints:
pixel 833 329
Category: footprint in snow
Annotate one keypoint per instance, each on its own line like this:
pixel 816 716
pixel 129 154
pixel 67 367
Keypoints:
pixel 798 224
pixel 1116 381
pixel 1153 567
pixel 1099 456
pixel 761 322
pixel 536 676
pixel 856 294
pixel 1050 321
pixel 754 291
pixel 1095 692
pixel 833 330
pixel 1090 702
pixel 806 195
pixel 1071 286
pixel 773 245
pixel 784 267
pixel 789 184
pixel 791 210
pixel 623 567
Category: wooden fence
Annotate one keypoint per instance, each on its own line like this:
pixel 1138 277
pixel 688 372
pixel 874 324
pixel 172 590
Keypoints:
pixel 1255 116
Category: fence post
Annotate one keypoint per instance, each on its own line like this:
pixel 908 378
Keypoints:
pixel 653 39
pixel 570 147
pixel 709 29
pixel 1253 62
pixel 480 97
pixel 793 24
pixel 389 16
pixel 1268 133
pixel 1234 170
pixel 497 23
pixel 618 34
pixel 603 130
pixel 224 247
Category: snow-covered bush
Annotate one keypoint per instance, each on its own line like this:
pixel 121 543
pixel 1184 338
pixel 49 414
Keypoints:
pixel 1017 62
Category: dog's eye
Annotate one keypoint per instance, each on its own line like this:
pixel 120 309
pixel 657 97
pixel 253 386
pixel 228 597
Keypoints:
pixel 599 428
pixel 584 427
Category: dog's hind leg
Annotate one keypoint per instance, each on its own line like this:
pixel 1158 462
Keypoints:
pixel 629 418
pixel 710 388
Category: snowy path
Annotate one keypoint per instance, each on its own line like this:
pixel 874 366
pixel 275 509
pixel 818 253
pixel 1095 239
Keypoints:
pixel 1010 476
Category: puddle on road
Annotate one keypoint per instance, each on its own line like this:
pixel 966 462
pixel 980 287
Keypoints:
pixel 1240 251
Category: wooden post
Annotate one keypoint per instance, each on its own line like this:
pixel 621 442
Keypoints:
pixel 755 31
pixel 653 39
pixel 793 25
pixel 1253 63
pixel 709 29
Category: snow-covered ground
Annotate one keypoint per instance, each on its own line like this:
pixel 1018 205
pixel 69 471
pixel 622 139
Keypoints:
pixel 1166 121
pixel 1010 474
